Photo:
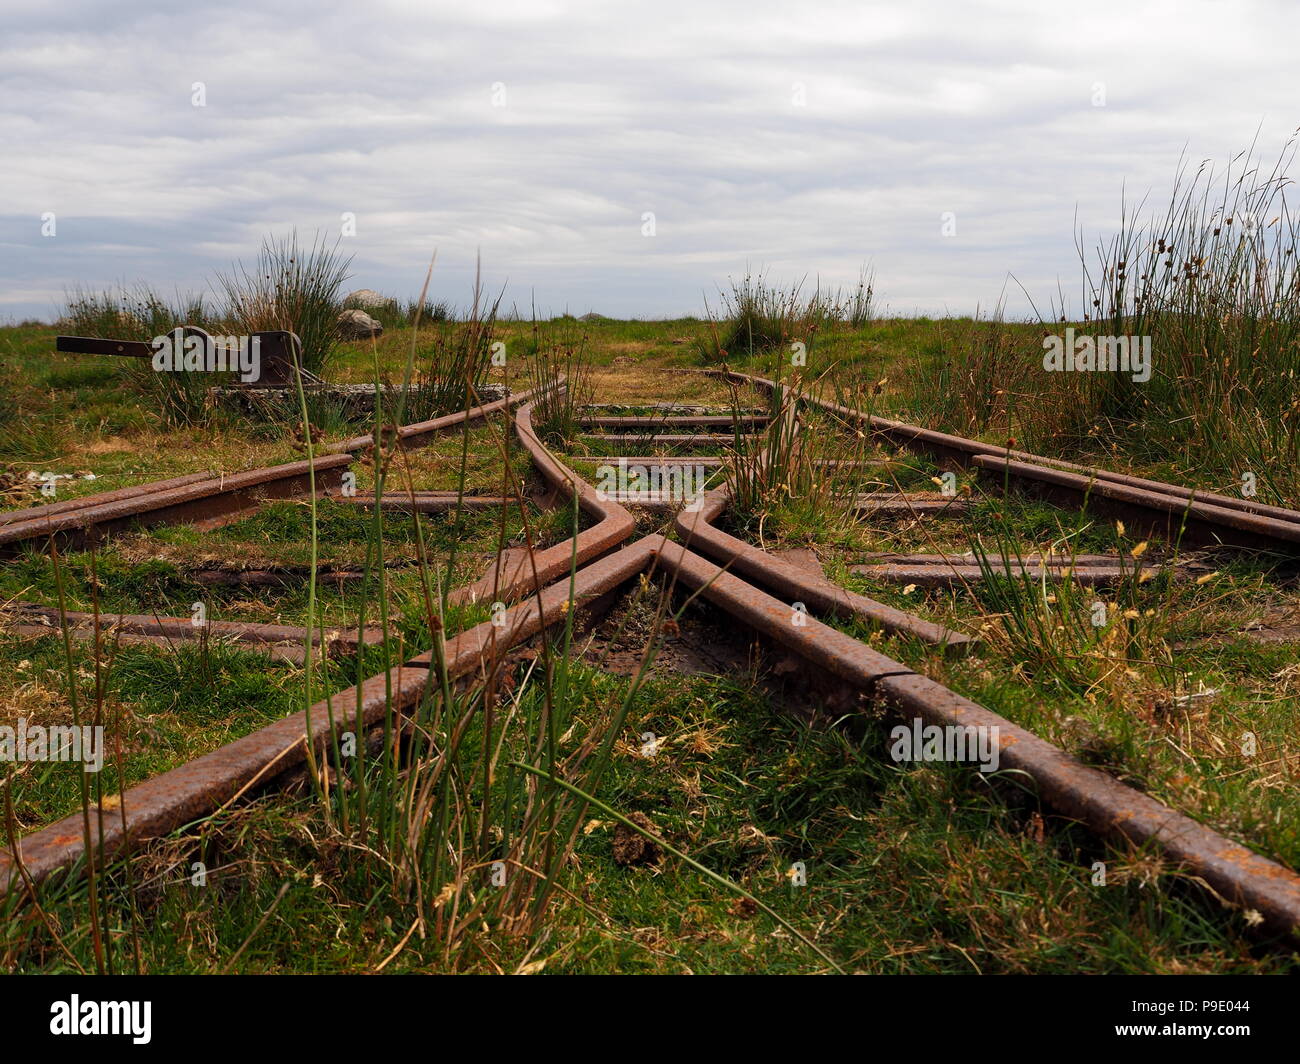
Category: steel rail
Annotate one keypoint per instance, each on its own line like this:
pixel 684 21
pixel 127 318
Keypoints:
pixel 337 640
pixel 1198 521
pixel 208 501
pixel 10 517
pixel 536 568
pixel 651 460
pixel 902 504
pixel 1106 806
pixel 1099 801
pixel 956 575
pixel 171 800
pixel 206 504
pixel 425 502
pixel 675 421
pixel 1259 527
pixel 421 433
pixel 694 525
pixel 699 439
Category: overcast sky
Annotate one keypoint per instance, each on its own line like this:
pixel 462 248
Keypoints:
pixel 808 138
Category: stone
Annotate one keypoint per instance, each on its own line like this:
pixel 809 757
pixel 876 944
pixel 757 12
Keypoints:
pixel 358 325
pixel 366 298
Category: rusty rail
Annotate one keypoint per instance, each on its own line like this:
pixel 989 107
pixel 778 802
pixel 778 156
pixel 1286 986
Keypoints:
pixel 694 526
pixel 699 439
pixel 513 577
pixel 420 433
pixel 1096 799
pixel 200 787
pixel 52 509
pixel 31 620
pixel 955 575
pixel 206 504
pixel 908 504
pixel 1211 518
pixel 1197 521
pixel 708 461
pixel 426 502
pixel 1110 808
pixel 676 421
pixel 209 501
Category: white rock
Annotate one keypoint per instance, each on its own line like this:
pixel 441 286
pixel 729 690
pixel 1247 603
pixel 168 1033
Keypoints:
pixel 358 325
pixel 366 297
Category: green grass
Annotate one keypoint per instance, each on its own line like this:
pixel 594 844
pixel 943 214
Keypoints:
pixel 909 870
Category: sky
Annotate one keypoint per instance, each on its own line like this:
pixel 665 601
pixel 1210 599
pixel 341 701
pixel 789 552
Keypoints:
pixel 622 158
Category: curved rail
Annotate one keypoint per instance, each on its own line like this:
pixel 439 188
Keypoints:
pixel 515 576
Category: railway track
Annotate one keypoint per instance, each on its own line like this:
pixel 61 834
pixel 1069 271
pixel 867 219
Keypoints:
pixel 781 604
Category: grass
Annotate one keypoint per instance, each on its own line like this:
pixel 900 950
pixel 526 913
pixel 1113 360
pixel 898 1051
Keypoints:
pixel 908 871
pixel 290 287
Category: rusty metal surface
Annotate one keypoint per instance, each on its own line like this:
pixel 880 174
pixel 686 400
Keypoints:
pixel 819 644
pixel 955 575
pixel 472 651
pixel 699 439
pixel 205 503
pixel 654 424
pixel 420 433
pixel 279 352
pixel 194 790
pixel 902 504
pixel 338 640
pixel 1112 809
pixel 1108 807
pixel 1195 521
pixel 1275 527
pixel 168 801
pixel 198 788
pixel 650 460
pixel 537 568
pixel 1101 802
pixel 94 345
pixel 1160 487
pixel 818 594
pixel 279 358
pixel 81 502
pixel 969 558
pixel 427 502
pixel 708 461
pixel 647 500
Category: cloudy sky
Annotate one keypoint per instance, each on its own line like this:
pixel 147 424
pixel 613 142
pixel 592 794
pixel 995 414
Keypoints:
pixel 167 140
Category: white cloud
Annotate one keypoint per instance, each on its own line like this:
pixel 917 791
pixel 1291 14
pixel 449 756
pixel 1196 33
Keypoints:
pixel 808 137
